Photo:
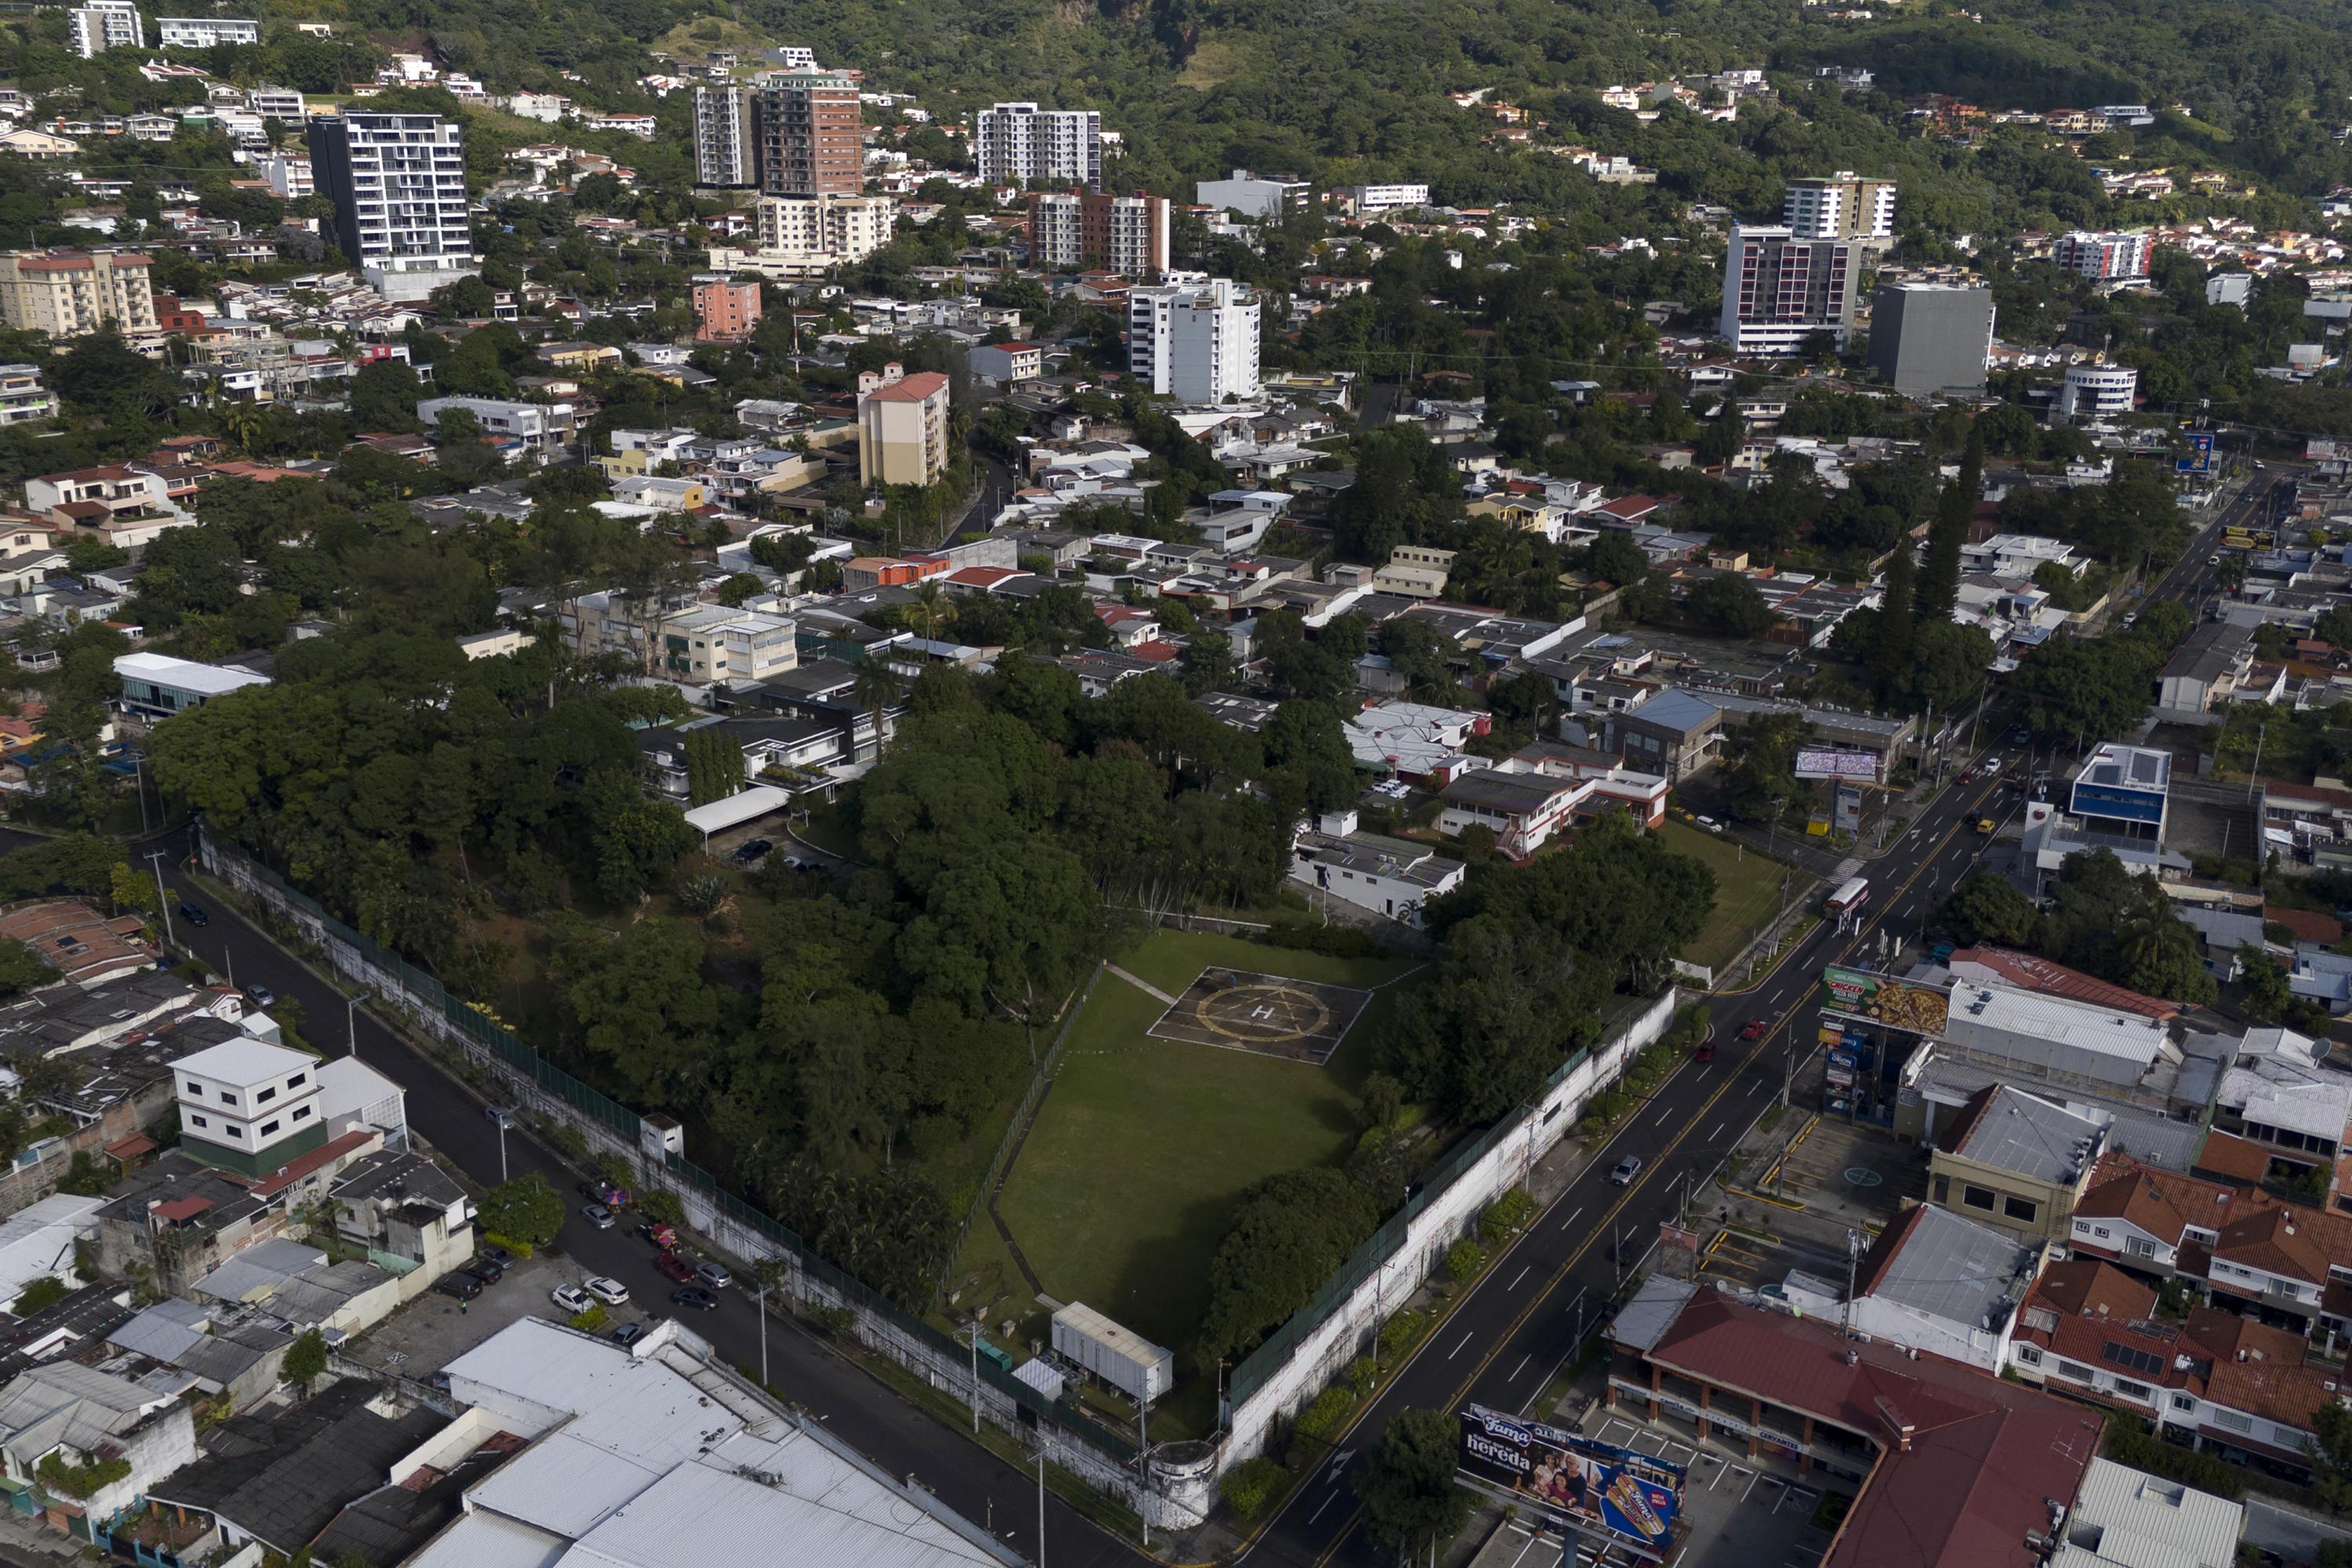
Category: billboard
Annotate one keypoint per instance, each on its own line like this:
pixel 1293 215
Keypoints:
pixel 1891 1004
pixel 1849 808
pixel 1574 1481
pixel 2236 538
pixel 1841 1064
pixel 1824 765
pixel 2200 455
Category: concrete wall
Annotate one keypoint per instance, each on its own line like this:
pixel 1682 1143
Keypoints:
pixel 1322 1355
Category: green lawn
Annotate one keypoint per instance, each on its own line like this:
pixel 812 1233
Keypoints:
pixel 1128 1180
pixel 1746 890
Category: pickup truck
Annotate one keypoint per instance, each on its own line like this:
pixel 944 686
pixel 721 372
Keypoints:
pixel 1940 953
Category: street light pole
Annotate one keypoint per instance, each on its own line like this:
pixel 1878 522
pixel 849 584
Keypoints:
pixel 972 1329
pixel 502 1148
pixel 760 1299
pixel 351 1024
pixel 163 898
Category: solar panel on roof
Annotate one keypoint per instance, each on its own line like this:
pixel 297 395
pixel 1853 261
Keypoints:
pixel 2139 1361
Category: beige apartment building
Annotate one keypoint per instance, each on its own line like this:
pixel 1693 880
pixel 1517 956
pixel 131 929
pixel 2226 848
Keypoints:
pixel 902 426
pixel 68 293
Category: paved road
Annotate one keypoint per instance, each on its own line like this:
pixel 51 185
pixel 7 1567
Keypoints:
pixel 1502 1345
pixel 895 1434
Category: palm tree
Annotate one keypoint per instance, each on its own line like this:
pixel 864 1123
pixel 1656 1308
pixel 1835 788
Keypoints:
pixel 876 688
pixel 931 604
pixel 242 424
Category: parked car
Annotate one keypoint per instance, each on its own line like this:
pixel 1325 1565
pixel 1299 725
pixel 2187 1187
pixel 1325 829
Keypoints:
pixel 714 1274
pixel 597 1214
pixel 571 1299
pixel 458 1287
pixel 627 1334
pixel 1627 1169
pixel 501 1117
pixel 671 1266
pixel 195 916
pixel 487 1272
pixel 694 1296
pixel 609 1291
pixel 491 1252
pixel 261 997
pixel 746 854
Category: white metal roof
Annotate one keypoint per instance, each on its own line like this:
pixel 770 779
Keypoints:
pixel 485 1539
pixel 186 674
pixel 2129 1519
pixel 733 811
pixel 2125 1035
pixel 244 1060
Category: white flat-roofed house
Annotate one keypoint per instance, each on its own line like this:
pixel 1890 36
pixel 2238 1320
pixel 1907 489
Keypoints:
pixel 156 686
pixel 1389 876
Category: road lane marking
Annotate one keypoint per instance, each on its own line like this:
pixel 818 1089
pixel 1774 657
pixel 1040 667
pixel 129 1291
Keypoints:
pixel 1332 1498
pixel 1466 1340
pixel 1571 1219
pixel 1517 1278
pixel 1521 1367
pixel 1718 1131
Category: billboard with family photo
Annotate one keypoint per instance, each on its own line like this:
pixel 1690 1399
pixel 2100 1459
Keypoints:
pixel 1573 1479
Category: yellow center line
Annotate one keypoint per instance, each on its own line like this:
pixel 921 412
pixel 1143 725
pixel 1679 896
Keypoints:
pixel 1649 1170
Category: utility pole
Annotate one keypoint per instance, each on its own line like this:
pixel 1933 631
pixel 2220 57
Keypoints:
pixel 502 1146
pixel 2261 733
pixel 163 898
pixel 1852 1263
pixel 1042 1440
pixel 972 1331
pixel 760 1301
pixel 1143 1463
pixel 351 1023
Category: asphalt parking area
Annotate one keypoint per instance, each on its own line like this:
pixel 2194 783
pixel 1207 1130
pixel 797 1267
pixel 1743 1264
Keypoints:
pixel 433 1330
pixel 1738 1512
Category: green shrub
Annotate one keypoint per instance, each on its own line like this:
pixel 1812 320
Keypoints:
pixel 520 1248
pixel 1362 1372
pixel 838 1321
pixel 80 1481
pixel 1249 1486
pixel 1322 1418
pixel 564 1139
pixel 593 1320
pixel 1463 1259
pixel 1402 1332
pixel 661 1204
pixel 2128 1443
pixel 45 1291
pixel 1503 1215
pixel 617 1170
pixel 1335 941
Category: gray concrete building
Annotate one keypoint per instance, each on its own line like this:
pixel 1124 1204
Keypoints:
pixel 1928 338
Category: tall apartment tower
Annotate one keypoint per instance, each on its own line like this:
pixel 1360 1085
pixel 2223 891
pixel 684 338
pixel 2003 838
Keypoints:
pixel 1779 290
pixel 2119 256
pixel 810 143
pixel 1195 340
pixel 1845 205
pixel 398 182
pixel 725 135
pixel 104 25
pixel 67 293
pixel 1018 142
pixel 1127 235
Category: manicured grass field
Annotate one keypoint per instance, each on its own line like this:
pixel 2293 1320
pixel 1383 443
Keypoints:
pixel 1746 890
pixel 1127 1182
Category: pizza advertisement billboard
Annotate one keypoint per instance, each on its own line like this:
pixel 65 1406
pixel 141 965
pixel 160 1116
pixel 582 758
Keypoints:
pixel 1891 1004
pixel 1572 1481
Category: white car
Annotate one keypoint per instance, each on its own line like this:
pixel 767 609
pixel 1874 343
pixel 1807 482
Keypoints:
pixel 612 1292
pixel 571 1299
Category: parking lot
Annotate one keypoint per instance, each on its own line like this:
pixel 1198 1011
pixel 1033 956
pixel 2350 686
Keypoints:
pixel 1832 1178
pixel 1739 1512
pixel 435 1328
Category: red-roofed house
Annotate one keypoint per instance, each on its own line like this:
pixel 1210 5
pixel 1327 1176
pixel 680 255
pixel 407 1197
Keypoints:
pixel 1955 1467
pixel 2308 925
pixel 980 579
pixel 1628 510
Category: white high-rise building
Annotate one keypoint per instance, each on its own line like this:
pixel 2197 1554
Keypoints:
pixel 1196 341
pixel 725 135
pixel 2105 258
pixel 1780 290
pixel 1018 142
pixel 398 182
pixel 2096 392
pixel 844 228
pixel 105 25
pixel 1845 205
pixel 204 32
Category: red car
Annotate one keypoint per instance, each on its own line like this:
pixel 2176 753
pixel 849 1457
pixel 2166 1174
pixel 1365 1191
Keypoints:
pixel 1755 1030
pixel 672 1266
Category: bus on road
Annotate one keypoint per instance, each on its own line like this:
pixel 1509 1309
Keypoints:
pixel 1851 896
